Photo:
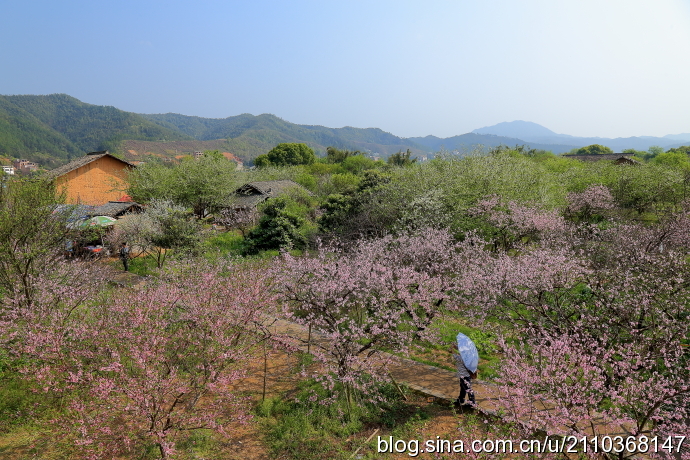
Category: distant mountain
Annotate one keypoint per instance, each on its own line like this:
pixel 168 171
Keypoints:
pixel 516 129
pixel 534 133
pixel 473 140
pixel 685 137
pixel 55 128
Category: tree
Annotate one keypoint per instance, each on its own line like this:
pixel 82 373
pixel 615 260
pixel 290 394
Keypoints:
pixel 379 294
pixel 347 214
pixel 162 227
pixel 279 228
pixel 676 159
pixel 241 219
pixel 334 155
pixel 590 205
pixel 204 185
pixel 161 359
pixel 33 232
pixel 286 154
pixel 401 159
pixel 598 327
pixel 594 149
pixel 683 148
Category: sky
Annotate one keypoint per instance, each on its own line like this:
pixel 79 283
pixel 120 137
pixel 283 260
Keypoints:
pixel 608 68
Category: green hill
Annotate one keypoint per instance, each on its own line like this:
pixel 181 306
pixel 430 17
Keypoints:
pixel 52 129
pixel 250 135
pixel 55 128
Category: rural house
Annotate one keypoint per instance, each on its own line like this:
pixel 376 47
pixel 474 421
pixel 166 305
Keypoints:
pixel 94 179
pixel 252 194
pixel 617 158
pixel 25 166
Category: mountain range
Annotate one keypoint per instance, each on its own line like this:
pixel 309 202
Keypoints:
pixel 537 134
pixel 56 128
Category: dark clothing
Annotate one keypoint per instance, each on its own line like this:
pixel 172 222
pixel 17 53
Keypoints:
pixel 465 377
pixel 124 256
pixel 466 388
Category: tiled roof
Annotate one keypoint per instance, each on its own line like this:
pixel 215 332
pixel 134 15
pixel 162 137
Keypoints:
pixel 79 162
pixel 253 193
pixel 601 156
pixel 116 208
pixel 110 209
pixel 272 188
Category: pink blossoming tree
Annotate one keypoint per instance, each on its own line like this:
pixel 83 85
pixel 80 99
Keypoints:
pixel 149 365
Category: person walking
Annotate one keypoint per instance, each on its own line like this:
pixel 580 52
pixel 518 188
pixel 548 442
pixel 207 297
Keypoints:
pixel 466 360
pixel 124 255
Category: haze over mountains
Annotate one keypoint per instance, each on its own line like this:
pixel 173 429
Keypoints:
pixel 534 133
pixel 55 128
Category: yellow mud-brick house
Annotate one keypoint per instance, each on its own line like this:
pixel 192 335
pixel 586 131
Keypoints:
pixel 94 179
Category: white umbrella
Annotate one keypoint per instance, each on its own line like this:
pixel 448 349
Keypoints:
pixel 468 352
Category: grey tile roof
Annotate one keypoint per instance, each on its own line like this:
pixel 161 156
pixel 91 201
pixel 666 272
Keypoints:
pixel 78 163
pixel 253 193
pixel 601 157
pixel 116 208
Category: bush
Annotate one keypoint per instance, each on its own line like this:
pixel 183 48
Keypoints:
pixel 279 228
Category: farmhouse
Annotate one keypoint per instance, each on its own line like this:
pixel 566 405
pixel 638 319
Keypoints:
pixel 250 195
pixel 617 158
pixel 94 179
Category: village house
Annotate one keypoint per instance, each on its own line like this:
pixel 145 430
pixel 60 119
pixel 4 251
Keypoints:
pixel 252 194
pixel 616 158
pixel 8 170
pixel 25 166
pixel 94 179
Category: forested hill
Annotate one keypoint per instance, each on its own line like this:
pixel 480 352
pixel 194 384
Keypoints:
pixel 55 128
pixel 253 135
pixel 58 127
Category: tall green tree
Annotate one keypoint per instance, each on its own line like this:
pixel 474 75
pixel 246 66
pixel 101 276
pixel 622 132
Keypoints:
pixel 334 155
pixel 683 148
pixel 285 154
pixel 594 149
pixel 401 158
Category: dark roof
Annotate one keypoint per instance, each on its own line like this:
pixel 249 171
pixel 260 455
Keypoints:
pixel 602 156
pixel 253 193
pixel 116 208
pixel 79 162
pixel 110 209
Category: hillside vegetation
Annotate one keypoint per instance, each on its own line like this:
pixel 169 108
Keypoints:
pixel 62 127
pixel 55 128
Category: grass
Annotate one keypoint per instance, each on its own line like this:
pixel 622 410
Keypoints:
pixel 304 428
pixel 232 244
pixel 224 244
pixel 142 266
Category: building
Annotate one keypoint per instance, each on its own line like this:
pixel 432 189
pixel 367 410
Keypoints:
pixel 8 170
pixel 25 166
pixel 252 194
pixel 617 158
pixel 94 179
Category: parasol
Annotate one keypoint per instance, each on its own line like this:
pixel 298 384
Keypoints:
pixel 96 221
pixel 468 352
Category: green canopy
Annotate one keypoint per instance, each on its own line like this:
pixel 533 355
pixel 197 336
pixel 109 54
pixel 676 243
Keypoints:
pixel 96 221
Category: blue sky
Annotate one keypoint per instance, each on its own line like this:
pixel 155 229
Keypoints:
pixel 605 68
